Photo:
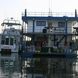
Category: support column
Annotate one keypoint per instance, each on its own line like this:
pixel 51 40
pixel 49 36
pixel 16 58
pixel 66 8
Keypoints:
pixel 33 37
pixel 66 32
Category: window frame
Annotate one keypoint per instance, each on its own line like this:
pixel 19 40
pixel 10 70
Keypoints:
pixel 40 22
pixel 61 24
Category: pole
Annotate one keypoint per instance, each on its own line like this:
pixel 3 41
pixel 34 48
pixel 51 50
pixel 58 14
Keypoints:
pixel 21 49
pixel 49 51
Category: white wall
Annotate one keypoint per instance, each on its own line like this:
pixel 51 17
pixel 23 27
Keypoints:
pixel 39 28
pixel 54 24
pixel 30 26
pixel 69 26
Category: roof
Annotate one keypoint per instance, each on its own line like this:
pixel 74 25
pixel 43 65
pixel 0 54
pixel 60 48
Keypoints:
pixel 64 18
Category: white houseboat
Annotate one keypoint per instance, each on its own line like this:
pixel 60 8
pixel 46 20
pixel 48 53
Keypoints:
pixel 10 37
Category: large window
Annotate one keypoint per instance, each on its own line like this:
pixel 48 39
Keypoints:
pixel 61 24
pixel 40 23
pixel 7 41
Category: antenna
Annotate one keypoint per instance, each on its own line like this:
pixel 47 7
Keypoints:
pixel 25 12
pixel 50 12
pixel 75 12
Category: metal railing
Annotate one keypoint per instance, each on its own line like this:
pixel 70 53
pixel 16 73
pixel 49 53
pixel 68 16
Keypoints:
pixel 55 14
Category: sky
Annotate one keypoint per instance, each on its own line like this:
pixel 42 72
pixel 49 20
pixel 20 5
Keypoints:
pixel 15 8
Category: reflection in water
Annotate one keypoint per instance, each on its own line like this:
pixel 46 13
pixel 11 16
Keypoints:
pixel 9 66
pixel 50 68
pixel 37 68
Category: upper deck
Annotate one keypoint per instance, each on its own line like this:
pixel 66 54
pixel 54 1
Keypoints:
pixel 49 16
pixel 61 23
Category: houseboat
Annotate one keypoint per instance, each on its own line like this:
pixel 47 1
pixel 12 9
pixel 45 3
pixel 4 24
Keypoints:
pixel 10 37
pixel 54 39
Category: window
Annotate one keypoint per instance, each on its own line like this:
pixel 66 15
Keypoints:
pixel 7 41
pixel 40 23
pixel 2 40
pixel 61 24
pixel 11 41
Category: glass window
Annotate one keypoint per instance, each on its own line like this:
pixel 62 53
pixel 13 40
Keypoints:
pixel 49 24
pixel 7 41
pixel 14 40
pixel 11 41
pixel 61 24
pixel 40 23
pixel 2 41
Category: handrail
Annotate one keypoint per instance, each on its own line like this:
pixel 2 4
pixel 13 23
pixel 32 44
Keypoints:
pixel 56 14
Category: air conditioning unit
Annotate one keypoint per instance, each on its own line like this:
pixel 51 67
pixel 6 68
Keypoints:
pixel 44 30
